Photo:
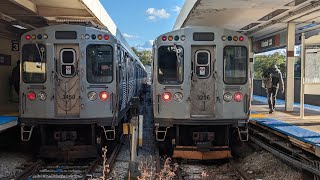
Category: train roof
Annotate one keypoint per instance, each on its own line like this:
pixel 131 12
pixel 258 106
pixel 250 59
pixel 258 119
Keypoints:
pixel 119 37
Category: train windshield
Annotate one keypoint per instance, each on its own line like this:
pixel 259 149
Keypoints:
pixel 99 63
pixel 34 63
pixel 170 64
pixel 235 64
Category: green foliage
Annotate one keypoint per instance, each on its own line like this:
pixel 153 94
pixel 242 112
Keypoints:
pixel 263 62
pixel 145 56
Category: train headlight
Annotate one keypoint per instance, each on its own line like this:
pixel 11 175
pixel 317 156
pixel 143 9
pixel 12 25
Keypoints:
pixel 178 97
pixel 238 96
pixel 92 95
pixel 104 95
pixel 42 95
pixel 227 97
pixel 166 96
pixel 31 96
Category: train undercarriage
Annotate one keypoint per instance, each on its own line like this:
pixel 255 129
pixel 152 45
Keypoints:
pixel 200 142
pixel 71 141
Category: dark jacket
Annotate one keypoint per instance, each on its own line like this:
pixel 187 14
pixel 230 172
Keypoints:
pixel 277 79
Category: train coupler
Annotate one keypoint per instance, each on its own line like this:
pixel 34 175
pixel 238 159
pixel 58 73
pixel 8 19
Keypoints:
pixel 161 133
pixel 110 134
pixel 243 133
pixel 203 140
pixel 26 132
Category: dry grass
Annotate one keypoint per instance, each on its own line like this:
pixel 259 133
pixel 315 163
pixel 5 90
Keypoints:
pixel 148 167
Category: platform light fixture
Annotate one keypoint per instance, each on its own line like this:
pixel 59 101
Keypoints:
pixel 18 25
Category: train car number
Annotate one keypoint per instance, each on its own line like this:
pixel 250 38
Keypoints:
pixel 69 96
pixel 203 97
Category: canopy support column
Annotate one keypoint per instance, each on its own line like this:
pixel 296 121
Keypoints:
pixel 289 91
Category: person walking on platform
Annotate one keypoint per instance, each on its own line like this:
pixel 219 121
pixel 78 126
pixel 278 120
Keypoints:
pixel 272 79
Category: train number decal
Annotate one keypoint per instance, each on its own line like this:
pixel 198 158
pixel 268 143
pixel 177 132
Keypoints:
pixel 203 97
pixel 69 97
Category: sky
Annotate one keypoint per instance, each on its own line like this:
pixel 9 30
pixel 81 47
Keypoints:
pixel 141 21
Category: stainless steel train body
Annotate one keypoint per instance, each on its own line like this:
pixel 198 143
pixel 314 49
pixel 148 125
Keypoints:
pixel 201 89
pixel 79 79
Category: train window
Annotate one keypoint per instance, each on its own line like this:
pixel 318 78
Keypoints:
pixel 34 63
pixel 170 64
pixel 203 57
pixel 202 65
pixel 235 64
pixel 99 64
pixel 68 56
pixel 68 60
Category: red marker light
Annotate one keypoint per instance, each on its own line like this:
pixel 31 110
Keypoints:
pixel 238 96
pixel 164 38
pixel 106 37
pixel 104 96
pixel 241 38
pixel 28 37
pixel 31 96
pixel 166 96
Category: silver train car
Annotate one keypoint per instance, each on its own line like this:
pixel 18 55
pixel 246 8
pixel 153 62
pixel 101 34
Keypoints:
pixel 75 88
pixel 201 92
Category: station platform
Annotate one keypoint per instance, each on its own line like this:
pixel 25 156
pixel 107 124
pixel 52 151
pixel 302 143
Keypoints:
pixel 8 116
pixel 302 132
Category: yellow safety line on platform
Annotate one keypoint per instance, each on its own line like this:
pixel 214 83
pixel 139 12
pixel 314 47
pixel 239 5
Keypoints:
pixel 257 116
pixel 11 114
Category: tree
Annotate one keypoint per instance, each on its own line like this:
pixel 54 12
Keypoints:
pixel 145 56
pixel 263 62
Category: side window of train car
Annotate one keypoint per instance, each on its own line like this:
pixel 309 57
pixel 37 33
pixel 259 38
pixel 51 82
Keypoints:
pixel 68 62
pixel 170 64
pixel 34 63
pixel 202 64
pixel 235 64
pixel 99 63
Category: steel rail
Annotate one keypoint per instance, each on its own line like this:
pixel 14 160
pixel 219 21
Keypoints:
pixel 285 157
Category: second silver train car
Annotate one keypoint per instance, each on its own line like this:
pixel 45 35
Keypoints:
pixel 76 86
pixel 201 91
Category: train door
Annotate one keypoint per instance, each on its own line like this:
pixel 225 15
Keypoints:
pixel 67 81
pixel 203 82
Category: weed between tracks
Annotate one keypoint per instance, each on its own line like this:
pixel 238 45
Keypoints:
pixel 147 169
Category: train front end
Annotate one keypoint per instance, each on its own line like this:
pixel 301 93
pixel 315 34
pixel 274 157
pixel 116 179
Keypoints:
pixel 68 89
pixel 201 92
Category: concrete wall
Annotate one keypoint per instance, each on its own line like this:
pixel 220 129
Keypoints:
pixel 5 71
pixel 309 99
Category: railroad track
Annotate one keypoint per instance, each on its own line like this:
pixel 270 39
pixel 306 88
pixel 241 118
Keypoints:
pixel 68 170
pixel 231 171
pixel 282 148
pixel 78 170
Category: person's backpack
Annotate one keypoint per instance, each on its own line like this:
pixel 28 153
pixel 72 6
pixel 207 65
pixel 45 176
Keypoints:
pixel 267 79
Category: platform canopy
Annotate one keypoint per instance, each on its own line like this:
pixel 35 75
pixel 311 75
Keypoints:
pixel 256 18
pixel 31 14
